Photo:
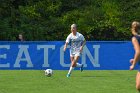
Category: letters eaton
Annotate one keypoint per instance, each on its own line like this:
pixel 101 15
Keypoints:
pixel 93 56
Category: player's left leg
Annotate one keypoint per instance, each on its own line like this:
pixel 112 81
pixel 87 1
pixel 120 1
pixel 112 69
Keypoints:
pixel 138 81
pixel 75 64
pixel 137 77
pixel 78 64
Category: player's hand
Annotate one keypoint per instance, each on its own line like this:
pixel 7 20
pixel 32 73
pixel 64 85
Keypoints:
pixel 81 49
pixel 131 67
pixel 131 61
pixel 64 49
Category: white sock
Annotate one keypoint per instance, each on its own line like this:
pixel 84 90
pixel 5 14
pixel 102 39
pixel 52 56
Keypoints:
pixel 70 70
pixel 78 65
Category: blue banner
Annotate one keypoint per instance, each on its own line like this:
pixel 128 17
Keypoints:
pixel 100 55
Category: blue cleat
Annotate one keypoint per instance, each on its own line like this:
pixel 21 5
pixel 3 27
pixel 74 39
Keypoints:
pixel 82 68
pixel 68 75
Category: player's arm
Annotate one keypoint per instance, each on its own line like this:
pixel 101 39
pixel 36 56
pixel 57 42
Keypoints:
pixel 137 52
pixel 67 42
pixel 65 46
pixel 82 45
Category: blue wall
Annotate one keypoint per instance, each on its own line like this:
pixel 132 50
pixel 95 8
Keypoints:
pixel 100 55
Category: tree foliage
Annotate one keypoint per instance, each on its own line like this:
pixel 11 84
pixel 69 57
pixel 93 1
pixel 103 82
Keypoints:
pixel 51 19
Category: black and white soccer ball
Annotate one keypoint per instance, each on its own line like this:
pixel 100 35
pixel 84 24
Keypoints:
pixel 48 72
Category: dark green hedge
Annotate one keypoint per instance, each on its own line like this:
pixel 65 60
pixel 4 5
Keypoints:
pixel 51 19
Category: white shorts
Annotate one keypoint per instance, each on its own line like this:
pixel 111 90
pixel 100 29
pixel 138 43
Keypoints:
pixel 75 54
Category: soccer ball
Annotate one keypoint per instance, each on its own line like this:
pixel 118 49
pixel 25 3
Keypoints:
pixel 48 72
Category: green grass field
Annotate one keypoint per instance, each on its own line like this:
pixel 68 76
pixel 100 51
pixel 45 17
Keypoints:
pixel 95 81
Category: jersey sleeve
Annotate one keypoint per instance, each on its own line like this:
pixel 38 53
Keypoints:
pixel 68 39
pixel 82 37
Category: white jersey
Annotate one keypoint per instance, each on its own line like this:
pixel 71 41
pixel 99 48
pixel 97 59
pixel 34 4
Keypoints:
pixel 75 42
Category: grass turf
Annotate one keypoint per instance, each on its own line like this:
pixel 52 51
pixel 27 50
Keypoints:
pixel 95 81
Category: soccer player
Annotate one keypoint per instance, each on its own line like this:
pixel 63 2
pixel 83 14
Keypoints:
pixel 136 43
pixel 77 42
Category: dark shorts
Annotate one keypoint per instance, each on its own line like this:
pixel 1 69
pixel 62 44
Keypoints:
pixel 139 66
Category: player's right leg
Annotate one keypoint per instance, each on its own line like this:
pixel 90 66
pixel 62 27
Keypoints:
pixel 73 64
pixel 71 67
pixel 138 81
